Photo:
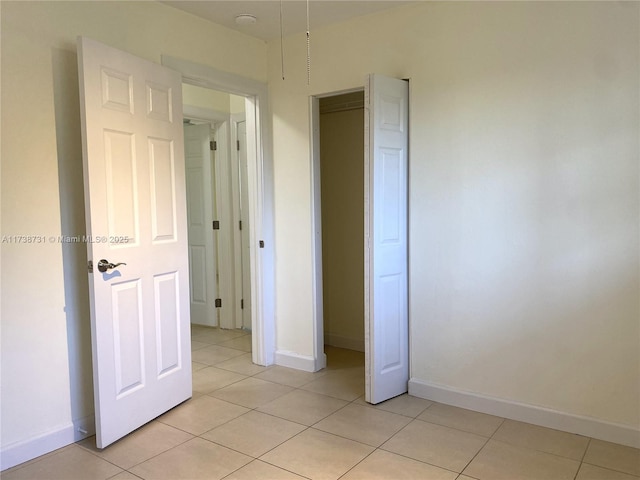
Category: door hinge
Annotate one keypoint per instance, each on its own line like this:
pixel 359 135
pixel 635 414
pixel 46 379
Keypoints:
pixel 216 224
pixel 213 145
pixel 218 302
pixel 240 224
pixel 242 303
pixel 261 243
pixel 90 266
pixel 238 145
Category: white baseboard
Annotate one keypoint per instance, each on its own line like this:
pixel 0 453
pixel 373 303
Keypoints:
pixel 545 417
pixel 344 342
pixel 26 450
pixel 300 362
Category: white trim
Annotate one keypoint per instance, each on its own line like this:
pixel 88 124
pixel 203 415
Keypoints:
pixel 261 202
pixel 545 417
pixel 339 341
pixel 300 362
pixel 316 225
pixel 26 450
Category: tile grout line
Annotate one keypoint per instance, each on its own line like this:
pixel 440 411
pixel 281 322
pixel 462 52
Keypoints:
pixel 584 454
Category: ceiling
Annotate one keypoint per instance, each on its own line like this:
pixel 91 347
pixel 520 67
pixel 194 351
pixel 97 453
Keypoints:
pixel 294 13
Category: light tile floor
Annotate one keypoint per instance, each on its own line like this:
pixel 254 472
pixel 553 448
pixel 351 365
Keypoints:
pixel 249 422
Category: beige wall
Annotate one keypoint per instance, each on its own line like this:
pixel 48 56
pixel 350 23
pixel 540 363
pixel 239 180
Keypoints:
pixel 46 364
pixel 215 100
pixel 205 98
pixel 524 214
pixel 342 174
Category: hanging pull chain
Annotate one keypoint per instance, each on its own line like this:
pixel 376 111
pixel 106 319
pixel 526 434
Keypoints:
pixel 281 42
pixel 308 49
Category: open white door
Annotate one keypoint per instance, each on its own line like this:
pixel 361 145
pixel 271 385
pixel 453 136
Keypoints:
pixel 386 208
pixel 202 253
pixel 134 178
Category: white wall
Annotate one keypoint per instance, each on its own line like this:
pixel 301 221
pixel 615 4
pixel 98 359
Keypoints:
pixel 45 351
pixel 524 213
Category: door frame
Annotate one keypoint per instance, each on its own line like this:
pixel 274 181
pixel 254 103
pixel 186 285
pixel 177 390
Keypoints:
pixel 260 166
pixel 319 356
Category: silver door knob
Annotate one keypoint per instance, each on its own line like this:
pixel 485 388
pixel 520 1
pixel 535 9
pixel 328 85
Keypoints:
pixel 104 265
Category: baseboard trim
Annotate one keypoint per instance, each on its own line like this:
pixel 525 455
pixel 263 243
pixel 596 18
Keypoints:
pixel 300 362
pixel 545 417
pixel 344 342
pixel 23 451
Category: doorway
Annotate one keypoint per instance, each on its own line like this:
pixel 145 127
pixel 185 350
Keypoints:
pixel 384 237
pixel 218 226
pixel 342 192
pixel 260 192
pixel 217 192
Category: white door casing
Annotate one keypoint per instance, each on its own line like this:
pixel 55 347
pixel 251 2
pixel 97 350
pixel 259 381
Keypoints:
pixel 386 251
pixel 202 253
pixel 131 113
pixel 245 271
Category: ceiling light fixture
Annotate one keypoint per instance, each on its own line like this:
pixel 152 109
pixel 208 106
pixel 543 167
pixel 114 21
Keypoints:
pixel 246 19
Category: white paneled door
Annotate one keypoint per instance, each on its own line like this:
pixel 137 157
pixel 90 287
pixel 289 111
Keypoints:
pixel 202 252
pixel 136 215
pixel 386 254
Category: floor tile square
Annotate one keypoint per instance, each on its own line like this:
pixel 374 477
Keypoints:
pixel 214 335
pixel 201 414
pixel 435 444
pixel 195 366
pixel 461 419
pixel 343 384
pixel 214 354
pixel 143 444
pixel 381 465
pixel 254 433
pixel 258 470
pixel 303 407
pixel 501 461
pixel 544 439
pixel 289 376
pixel 613 456
pixel 125 476
pixel 209 379
pixel 363 424
pixel 239 343
pixel 69 463
pixel 591 472
pixel 342 358
pixel 251 392
pixel 405 404
pixel 317 455
pixel 242 364
pixel 195 345
pixel 196 459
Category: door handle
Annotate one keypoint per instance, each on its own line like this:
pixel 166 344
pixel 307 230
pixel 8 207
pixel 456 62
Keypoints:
pixel 104 265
